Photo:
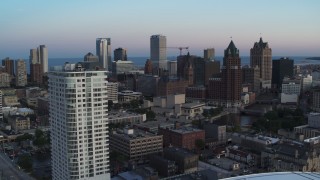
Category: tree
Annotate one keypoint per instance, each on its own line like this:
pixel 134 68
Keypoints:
pixel 38 133
pixel 151 115
pixel 24 137
pixel 25 162
pixel 199 143
pixel 110 104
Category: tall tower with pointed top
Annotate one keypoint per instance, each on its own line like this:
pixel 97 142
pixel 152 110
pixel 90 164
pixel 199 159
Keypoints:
pixel 231 75
pixel 225 90
pixel 261 56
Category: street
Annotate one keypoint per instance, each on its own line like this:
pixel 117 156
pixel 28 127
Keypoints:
pixel 9 171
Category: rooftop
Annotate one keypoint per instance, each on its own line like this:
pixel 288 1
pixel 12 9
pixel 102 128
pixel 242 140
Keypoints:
pixel 135 134
pixel 186 130
pixel 278 176
pixel 192 105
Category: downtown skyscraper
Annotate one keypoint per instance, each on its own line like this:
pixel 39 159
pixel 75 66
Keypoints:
pixel 225 90
pixel 103 51
pixel 261 57
pixel 79 123
pixel 158 51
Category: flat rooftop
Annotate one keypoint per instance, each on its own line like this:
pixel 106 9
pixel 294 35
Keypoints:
pixel 278 176
pixel 137 134
pixel 186 130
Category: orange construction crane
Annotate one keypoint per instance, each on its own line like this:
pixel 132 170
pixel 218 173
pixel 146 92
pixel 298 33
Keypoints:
pixel 180 48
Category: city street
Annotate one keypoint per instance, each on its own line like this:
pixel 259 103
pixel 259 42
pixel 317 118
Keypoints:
pixel 9 171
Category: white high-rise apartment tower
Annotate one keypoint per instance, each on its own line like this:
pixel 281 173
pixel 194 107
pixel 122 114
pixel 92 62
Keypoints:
pixel 21 72
pixel 158 51
pixel 79 123
pixel 40 56
pixel 103 50
pixel 43 57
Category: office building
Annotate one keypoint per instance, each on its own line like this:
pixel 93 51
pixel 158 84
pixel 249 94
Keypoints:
pixel 208 54
pixel 261 56
pixel 172 68
pixel 89 57
pixel 79 130
pixel 8 66
pixel 251 75
pixel 103 50
pixel 148 85
pixel 21 72
pixel 199 66
pixel 120 54
pixel 135 144
pixel 291 86
pixel 211 69
pixel 226 89
pixel 281 68
pixel 158 51
pixel 168 86
pixel 121 67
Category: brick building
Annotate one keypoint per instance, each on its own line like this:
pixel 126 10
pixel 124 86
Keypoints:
pixel 226 90
pixel 183 137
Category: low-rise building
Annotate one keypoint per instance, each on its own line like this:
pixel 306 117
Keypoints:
pixel 164 166
pixel 112 92
pixel 10 101
pixel 153 126
pixel 312 129
pixel 126 117
pixel 187 162
pixel 292 156
pixel 19 122
pixel 127 96
pixel 182 137
pixel 215 134
pixel 135 144
pixel 239 155
pixel 192 109
pixel 314 120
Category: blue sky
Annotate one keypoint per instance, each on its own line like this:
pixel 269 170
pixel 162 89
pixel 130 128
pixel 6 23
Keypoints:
pixel 69 28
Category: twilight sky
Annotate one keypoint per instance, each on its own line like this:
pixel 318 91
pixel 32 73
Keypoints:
pixel 69 28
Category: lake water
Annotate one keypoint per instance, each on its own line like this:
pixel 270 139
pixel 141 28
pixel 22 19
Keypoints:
pixel 140 61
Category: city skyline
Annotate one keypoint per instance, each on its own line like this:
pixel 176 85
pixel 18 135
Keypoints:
pixel 68 31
